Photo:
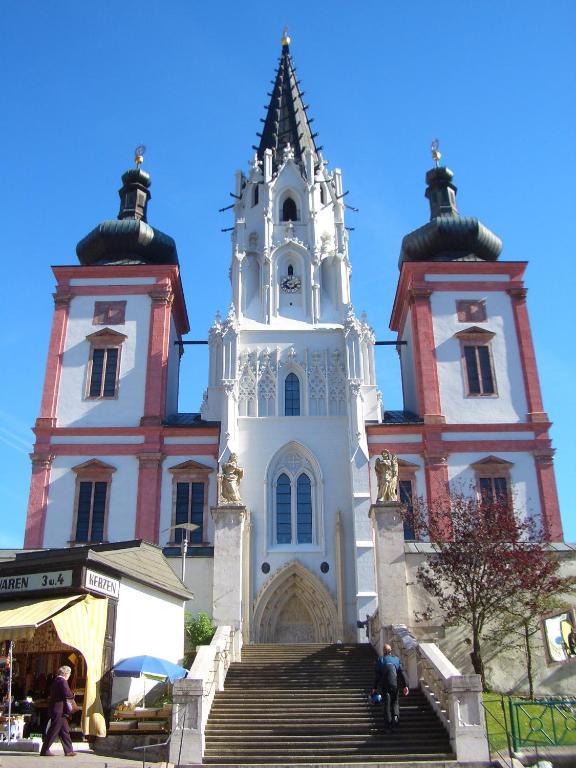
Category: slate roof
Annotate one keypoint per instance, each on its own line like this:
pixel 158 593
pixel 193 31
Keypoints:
pixel 139 560
pixel 401 417
pixel 286 119
pixel 188 420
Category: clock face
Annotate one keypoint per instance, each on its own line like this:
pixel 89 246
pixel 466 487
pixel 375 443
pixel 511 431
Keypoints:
pixel 290 284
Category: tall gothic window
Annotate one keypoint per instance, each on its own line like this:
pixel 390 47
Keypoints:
pixel 292 395
pixel 294 515
pixel 304 510
pixel 283 510
pixel 289 210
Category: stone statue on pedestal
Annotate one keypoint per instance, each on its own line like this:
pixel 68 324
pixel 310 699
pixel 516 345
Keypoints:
pixel 230 477
pixel 386 468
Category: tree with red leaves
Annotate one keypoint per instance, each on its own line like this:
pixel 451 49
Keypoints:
pixel 487 564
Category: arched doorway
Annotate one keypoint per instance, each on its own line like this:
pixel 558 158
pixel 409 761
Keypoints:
pixel 294 606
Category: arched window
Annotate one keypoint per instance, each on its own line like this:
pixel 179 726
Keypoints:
pixel 322 195
pixel 292 395
pixel 255 195
pixel 294 499
pixel 289 210
pixel 290 270
pixel 283 510
pixel 304 510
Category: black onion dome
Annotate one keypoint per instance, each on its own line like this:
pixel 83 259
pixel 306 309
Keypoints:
pixel 448 236
pixel 129 239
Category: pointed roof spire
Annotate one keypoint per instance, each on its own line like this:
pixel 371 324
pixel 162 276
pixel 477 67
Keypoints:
pixel 286 120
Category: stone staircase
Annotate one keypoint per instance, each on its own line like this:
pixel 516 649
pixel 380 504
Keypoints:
pixel 299 704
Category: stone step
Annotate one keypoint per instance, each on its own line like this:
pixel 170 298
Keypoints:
pixel 367 761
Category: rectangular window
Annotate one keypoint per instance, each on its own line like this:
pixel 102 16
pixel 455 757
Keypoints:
pixel 103 373
pixel 479 374
pixel 189 509
pixel 493 489
pixel 91 511
pixel 406 498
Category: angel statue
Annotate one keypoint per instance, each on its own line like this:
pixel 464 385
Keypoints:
pixel 386 468
pixel 230 477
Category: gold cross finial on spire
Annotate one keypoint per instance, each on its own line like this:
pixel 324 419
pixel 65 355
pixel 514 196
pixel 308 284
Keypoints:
pixel 139 155
pixel 285 38
pixel 435 152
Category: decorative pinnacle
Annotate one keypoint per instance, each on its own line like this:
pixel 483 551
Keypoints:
pixel 435 153
pixel 285 38
pixel 139 155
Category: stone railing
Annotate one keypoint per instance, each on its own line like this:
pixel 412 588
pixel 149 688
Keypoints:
pixel 193 696
pixel 454 697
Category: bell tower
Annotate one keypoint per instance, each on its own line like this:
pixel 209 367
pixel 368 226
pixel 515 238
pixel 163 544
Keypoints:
pixel 292 377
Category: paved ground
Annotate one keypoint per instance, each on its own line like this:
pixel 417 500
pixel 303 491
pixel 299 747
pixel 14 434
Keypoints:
pixel 84 759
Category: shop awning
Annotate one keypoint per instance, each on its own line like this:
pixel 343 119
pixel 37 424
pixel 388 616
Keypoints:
pixel 19 620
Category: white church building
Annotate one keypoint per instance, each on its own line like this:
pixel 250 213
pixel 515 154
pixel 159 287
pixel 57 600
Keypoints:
pixel 291 390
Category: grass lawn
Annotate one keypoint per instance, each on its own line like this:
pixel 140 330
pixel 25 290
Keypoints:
pixel 535 722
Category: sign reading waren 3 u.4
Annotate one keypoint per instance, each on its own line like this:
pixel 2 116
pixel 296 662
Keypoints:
pixel 28 582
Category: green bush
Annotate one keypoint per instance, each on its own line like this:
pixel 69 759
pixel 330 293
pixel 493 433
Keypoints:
pixel 198 630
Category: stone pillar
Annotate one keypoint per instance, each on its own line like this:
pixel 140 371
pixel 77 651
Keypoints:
pixel 229 519
pixel 388 526
pixel 467 723
pixel 187 742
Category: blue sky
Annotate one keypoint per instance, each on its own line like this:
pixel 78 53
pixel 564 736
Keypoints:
pixel 85 82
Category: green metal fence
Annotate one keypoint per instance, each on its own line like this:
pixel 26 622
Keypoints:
pixel 549 722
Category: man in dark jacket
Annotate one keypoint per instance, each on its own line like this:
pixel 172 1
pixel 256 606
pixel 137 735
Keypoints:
pixel 60 693
pixel 389 677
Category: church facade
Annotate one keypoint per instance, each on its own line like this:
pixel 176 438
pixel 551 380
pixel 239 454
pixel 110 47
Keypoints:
pixel 291 389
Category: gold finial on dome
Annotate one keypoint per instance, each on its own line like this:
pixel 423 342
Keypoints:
pixel 285 38
pixel 436 156
pixel 139 155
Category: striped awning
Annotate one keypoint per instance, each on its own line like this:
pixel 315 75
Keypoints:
pixel 19 620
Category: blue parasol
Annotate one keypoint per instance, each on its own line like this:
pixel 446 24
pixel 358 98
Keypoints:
pixel 149 666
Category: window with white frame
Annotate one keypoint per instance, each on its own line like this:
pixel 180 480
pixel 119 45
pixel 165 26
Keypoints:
pixel 294 498
pixel 93 481
pixel 477 362
pixel 493 480
pixel 189 501
pixel 104 364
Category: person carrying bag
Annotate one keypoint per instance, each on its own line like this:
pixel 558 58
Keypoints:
pixel 389 677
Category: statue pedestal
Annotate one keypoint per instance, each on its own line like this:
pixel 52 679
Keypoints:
pixel 388 526
pixel 229 519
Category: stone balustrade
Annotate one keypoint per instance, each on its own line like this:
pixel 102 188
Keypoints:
pixel 454 697
pixel 193 696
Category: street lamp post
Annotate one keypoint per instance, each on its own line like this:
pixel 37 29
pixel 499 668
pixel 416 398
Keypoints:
pixel 183 541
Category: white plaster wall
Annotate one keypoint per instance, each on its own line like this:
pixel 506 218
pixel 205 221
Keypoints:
pixel 148 622
pixel 199 580
pixel 61 495
pixel 125 410
pixel 407 366
pixel 509 405
pixel 326 438
pixel 523 476
pixel 167 487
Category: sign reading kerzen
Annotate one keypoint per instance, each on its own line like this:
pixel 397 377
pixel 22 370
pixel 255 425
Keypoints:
pixel 95 582
pixel 27 582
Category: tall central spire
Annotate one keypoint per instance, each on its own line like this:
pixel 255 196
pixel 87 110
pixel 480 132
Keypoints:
pixel 286 120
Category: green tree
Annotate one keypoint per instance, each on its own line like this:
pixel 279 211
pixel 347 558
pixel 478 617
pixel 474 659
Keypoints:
pixel 198 630
pixel 484 557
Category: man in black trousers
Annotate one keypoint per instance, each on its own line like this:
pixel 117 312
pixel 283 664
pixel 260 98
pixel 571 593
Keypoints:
pixel 389 677
pixel 60 694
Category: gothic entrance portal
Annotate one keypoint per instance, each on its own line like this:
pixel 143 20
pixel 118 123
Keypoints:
pixel 294 606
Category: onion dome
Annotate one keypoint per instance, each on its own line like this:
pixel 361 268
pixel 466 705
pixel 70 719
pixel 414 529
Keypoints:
pixel 129 239
pixel 448 236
